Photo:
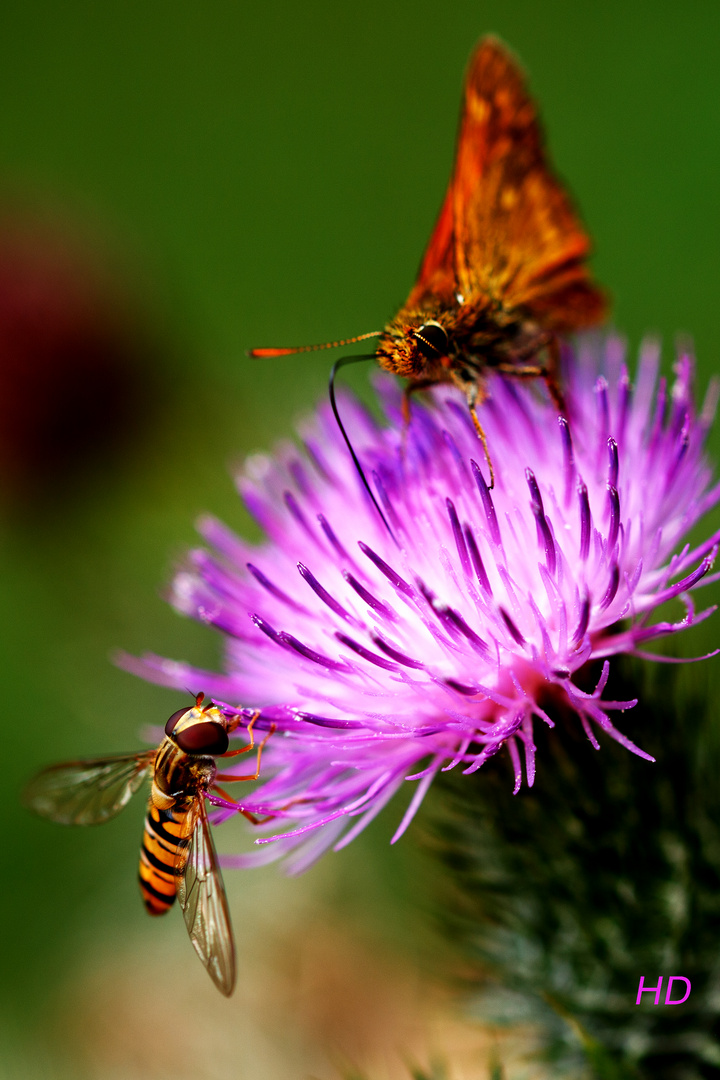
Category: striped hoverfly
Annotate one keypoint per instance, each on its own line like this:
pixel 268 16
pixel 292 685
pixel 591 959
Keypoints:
pixel 177 857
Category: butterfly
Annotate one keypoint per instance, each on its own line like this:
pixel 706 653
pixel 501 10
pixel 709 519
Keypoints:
pixel 505 271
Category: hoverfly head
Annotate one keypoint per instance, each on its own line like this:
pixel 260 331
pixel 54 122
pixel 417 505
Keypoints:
pixel 199 730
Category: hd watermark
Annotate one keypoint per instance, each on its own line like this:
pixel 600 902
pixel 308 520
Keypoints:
pixel 657 990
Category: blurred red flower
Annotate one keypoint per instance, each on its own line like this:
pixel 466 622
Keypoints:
pixel 73 360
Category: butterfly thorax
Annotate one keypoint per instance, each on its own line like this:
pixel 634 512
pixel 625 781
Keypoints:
pixel 432 345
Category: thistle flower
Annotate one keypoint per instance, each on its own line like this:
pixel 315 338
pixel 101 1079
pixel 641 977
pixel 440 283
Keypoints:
pixel 388 656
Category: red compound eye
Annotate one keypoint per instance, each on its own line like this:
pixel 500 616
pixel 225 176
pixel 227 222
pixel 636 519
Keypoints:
pixel 172 722
pixel 207 737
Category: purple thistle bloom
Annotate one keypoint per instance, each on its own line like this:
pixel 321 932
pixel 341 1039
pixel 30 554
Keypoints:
pixel 387 658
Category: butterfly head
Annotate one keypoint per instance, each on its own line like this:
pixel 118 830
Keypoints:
pixel 202 729
pixel 413 351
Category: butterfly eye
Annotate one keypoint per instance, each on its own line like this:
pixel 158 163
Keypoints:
pixel 207 737
pixel 172 722
pixel 432 340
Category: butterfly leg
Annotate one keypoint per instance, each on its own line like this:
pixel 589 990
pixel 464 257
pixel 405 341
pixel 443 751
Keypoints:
pixel 538 373
pixel 483 439
pixel 549 373
pixel 475 394
pixel 410 389
pixel 229 777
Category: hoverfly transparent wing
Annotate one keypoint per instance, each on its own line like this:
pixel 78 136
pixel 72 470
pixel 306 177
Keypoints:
pixel 87 792
pixel 201 894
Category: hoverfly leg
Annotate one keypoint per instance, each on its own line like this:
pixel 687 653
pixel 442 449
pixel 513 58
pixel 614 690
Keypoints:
pixel 251 733
pixel 228 777
pixel 252 818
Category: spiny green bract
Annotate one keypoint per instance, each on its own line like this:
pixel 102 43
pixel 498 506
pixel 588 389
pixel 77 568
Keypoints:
pixel 607 870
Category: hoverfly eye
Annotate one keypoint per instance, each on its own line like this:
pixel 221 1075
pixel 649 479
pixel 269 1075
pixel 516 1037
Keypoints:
pixel 172 722
pixel 432 340
pixel 207 737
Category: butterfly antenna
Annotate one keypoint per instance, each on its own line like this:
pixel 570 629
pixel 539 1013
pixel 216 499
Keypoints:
pixel 331 387
pixel 264 354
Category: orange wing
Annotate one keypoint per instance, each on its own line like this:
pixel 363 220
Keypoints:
pixel 437 279
pixel 507 230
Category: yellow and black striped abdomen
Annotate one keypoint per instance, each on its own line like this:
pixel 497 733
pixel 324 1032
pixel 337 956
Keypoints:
pixel 162 840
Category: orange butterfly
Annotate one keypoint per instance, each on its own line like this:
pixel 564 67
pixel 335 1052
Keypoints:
pixel 504 272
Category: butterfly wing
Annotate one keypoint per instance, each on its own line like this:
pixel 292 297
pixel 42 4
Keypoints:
pixel 507 231
pixel 201 894
pixel 437 278
pixel 87 792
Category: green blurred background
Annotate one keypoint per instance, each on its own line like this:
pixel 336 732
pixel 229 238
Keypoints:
pixel 265 175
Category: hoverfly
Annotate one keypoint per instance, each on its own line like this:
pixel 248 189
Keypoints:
pixel 178 857
pixel 504 273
